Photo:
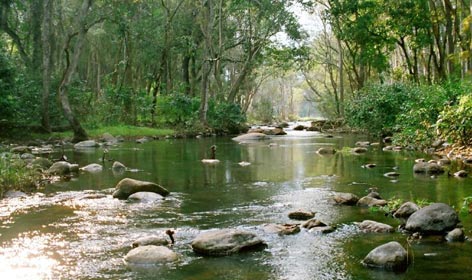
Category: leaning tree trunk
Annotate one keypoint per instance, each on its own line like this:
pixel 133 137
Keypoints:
pixel 79 132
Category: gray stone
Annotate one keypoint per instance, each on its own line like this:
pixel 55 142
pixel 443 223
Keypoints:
pixel 118 167
pixel 392 174
pixel 127 187
pixel 372 226
pixel 109 139
pixel 362 143
pixel 145 197
pixel 254 136
pixel 371 201
pixel 406 210
pixel 143 140
pixel 62 168
pixel 14 194
pixel 92 168
pixel 27 156
pixel 226 242
pixel 150 255
pixel 428 168
pixel 301 215
pixel 461 174
pixel 436 218
pixel 157 240
pixel 455 235
pixel 86 144
pixel 345 198
pixel 390 256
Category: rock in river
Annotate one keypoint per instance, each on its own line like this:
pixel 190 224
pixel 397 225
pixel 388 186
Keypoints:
pixel 433 219
pixel 371 201
pixel 406 210
pixel 301 215
pixel 254 136
pixel 345 198
pixel 428 168
pixel 127 187
pixel 226 242
pixel 372 226
pixel 86 144
pixel 92 168
pixel 390 256
pixel 62 168
pixel 150 255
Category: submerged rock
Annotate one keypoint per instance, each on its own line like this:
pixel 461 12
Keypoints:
pixel 127 187
pixel 150 255
pixel 226 242
pixel 390 256
pixel 118 167
pixel 359 150
pixel 436 218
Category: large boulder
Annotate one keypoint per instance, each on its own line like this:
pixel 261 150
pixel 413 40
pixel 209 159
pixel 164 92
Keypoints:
pixel 150 255
pixel 428 168
pixel 372 226
pixel 108 139
pixel 406 210
pixel 253 136
pixel 345 198
pixel 436 218
pixel 62 168
pixel 86 144
pixel 390 256
pixel 226 242
pixel 127 187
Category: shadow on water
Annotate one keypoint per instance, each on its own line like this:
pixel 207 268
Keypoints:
pixel 75 229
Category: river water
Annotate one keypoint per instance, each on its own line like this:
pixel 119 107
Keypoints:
pixel 75 229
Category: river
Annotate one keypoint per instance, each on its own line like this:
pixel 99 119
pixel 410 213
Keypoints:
pixel 75 230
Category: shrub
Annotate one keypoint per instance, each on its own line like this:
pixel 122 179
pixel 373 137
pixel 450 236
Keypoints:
pixel 455 121
pixel 376 107
pixel 14 175
pixel 416 124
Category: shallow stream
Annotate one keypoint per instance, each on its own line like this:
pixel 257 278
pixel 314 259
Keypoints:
pixel 76 230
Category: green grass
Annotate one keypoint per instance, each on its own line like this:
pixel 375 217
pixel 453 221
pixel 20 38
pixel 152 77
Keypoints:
pixel 119 130
pixel 14 175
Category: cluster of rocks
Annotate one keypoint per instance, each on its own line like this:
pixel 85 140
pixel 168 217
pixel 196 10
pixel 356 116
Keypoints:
pixel 437 219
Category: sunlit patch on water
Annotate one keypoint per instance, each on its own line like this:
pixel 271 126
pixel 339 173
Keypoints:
pixel 29 257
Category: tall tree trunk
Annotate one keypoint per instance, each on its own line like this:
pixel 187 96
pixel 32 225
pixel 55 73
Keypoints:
pixel 46 58
pixel 79 132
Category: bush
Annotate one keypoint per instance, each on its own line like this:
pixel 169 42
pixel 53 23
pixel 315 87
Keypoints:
pixel 376 107
pixel 455 122
pixel 416 124
pixel 226 118
pixel 14 175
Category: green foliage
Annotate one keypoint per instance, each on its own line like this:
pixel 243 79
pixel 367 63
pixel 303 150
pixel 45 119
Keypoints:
pixel 226 117
pixel 8 101
pixel 14 175
pixel 415 125
pixel 263 110
pixel 177 109
pixel 466 205
pixel 376 107
pixel 455 121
